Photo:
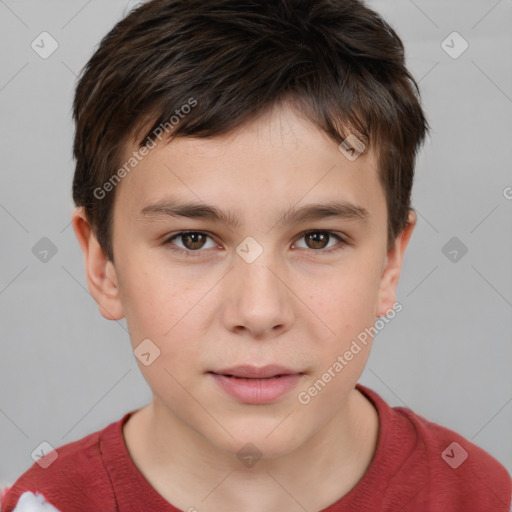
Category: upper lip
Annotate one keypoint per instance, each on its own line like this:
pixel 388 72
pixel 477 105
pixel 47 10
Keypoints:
pixel 255 372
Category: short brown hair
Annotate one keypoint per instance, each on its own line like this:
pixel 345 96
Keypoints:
pixel 338 60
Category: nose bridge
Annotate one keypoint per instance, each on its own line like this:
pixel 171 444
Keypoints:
pixel 255 271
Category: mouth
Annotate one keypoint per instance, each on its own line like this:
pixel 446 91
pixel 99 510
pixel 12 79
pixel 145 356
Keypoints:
pixel 248 372
pixel 257 385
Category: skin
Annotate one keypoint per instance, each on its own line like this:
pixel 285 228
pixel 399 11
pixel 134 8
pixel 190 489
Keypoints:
pixel 295 305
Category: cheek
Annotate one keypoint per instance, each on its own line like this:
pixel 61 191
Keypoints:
pixel 347 306
pixel 165 307
pixel 349 299
pixel 152 304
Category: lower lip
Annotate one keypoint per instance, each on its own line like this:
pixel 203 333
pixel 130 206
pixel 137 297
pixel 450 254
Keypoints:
pixel 257 391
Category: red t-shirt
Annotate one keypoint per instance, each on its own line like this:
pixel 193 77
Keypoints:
pixel 418 466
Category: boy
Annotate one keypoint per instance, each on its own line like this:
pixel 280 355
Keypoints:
pixel 243 184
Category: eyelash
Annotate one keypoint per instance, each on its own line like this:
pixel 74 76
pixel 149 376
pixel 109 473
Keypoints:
pixel 191 253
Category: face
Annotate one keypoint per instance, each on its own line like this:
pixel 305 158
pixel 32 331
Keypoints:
pixel 277 270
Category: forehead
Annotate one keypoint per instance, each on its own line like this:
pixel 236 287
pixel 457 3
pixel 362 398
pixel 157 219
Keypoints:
pixel 278 160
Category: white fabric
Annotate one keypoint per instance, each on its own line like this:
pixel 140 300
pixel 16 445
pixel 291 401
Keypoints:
pixel 30 502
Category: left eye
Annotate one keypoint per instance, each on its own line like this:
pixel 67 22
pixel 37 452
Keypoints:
pixel 194 241
pixel 319 239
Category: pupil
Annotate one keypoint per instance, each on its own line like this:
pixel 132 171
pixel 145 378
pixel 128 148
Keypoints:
pixel 194 237
pixel 318 238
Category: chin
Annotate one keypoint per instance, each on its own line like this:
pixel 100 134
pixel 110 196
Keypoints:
pixel 261 441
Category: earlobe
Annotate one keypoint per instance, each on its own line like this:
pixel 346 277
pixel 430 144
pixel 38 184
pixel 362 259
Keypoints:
pixel 100 272
pixel 393 267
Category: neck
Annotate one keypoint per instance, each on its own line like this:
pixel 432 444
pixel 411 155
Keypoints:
pixel 188 471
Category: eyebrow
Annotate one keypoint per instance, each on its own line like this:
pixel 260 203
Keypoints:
pixel 311 212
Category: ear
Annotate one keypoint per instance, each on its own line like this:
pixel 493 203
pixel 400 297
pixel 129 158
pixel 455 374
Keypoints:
pixel 100 272
pixel 393 266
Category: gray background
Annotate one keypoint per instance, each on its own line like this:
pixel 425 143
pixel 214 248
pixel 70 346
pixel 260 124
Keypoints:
pixel 66 372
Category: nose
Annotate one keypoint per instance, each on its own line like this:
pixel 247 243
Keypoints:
pixel 258 298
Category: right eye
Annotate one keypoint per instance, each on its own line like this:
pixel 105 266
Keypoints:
pixel 192 242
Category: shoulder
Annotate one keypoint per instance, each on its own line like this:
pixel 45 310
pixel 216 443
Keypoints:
pixel 462 471
pixel 70 475
pixel 435 468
